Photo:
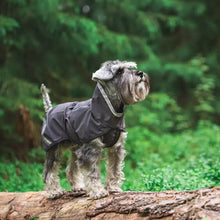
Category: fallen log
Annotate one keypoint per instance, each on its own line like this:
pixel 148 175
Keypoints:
pixel 197 204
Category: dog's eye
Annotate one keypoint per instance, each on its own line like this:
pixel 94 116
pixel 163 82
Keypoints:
pixel 120 71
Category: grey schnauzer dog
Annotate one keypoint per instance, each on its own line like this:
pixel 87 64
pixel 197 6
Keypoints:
pixel 90 126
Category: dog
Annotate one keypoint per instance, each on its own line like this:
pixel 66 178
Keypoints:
pixel 87 127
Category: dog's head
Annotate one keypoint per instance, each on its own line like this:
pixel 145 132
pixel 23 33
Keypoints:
pixel 132 85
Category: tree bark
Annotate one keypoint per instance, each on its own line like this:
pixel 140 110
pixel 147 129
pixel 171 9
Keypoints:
pixel 197 204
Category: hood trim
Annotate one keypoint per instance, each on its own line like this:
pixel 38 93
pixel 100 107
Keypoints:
pixel 104 95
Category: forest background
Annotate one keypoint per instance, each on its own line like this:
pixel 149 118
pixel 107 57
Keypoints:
pixel 173 136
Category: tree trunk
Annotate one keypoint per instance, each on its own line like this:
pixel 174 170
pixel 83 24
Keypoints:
pixel 197 204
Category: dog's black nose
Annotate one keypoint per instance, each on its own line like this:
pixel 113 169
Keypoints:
pixel 139 73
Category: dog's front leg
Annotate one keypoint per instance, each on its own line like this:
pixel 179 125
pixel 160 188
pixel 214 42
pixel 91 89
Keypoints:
pixel 89 156
pixel 115 158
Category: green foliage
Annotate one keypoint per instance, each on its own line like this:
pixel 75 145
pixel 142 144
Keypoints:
pixel 20 177
pixel 154 162
pixel 14 92
pixel 159 113
pixel 178 161
pixel 204 96
pixel 195 177
pixel 37 155
pixel 60 43
pixel 34 218
pixel 19 91
pixel 6 25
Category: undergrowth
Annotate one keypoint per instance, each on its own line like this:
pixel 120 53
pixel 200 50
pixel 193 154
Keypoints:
pixel 184 161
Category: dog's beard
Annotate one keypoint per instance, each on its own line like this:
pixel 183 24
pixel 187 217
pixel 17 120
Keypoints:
pixel 133 89
pixel 141 91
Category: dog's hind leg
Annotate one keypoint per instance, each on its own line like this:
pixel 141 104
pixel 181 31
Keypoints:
pixel 73 173
pixel 51 171
pixel 115 158
pixel 89 156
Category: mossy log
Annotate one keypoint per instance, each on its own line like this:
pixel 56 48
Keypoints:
pixel 197 204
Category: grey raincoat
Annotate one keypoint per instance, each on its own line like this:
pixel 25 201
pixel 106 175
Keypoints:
pixel 81 122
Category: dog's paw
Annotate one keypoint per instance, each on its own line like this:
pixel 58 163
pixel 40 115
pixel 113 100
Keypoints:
pixel 98 194
pixel 113 189
pixel 55 194
pixel 78 189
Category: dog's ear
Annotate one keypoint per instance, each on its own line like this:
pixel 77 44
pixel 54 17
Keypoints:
pixel 102 74
pixel 109 69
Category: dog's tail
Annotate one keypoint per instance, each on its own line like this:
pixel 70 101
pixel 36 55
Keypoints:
pixel 46 98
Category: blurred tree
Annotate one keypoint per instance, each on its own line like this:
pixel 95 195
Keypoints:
pixel 61 42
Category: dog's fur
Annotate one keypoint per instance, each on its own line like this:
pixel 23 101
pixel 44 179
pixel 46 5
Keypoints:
pixel 123 86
